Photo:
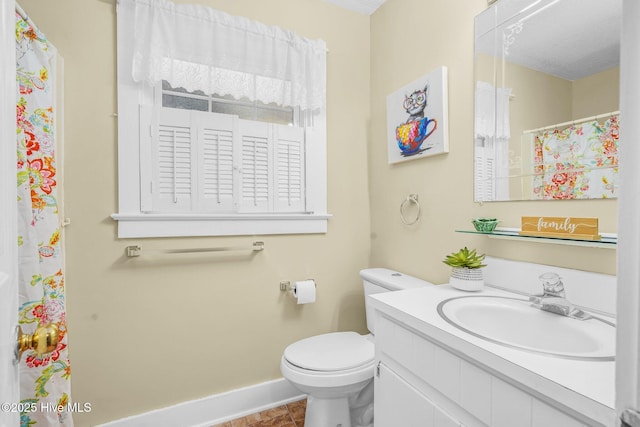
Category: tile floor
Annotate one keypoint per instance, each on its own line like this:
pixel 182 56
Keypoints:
pixel 289 415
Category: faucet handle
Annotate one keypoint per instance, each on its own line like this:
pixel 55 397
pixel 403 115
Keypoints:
pixel 552 284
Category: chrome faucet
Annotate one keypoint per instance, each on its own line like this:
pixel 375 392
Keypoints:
pixel 553 298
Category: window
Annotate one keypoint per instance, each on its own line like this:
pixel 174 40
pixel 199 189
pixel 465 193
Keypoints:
pixel 243 108
pixel 221 153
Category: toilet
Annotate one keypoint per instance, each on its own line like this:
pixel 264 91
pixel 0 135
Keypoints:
pixel 336 370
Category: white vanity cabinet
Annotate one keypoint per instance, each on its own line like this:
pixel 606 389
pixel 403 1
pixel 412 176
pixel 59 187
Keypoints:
pixel 398 403
pixel 418 382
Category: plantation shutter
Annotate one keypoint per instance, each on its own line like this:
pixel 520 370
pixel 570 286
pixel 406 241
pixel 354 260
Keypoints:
pixel 216 161
pixel 192 161
pixel 201 162
pixel 289 168
pixel 256 166
pixel 173 147
pixel 484 171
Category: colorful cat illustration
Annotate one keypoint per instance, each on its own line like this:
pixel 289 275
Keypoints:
pixel 417 128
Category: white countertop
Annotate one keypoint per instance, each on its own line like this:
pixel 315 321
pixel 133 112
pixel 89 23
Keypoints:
pixel 585 386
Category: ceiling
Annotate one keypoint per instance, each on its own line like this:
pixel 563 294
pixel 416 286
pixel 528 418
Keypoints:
pixel 570 39
pixel 366 7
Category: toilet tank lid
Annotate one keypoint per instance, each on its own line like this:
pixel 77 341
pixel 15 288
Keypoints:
pixel 391 279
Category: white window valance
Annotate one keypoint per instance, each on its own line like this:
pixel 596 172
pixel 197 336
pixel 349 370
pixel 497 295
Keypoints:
pixel 231 56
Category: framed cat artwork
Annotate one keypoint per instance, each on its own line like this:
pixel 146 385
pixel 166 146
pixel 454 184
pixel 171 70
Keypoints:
pixel 417 118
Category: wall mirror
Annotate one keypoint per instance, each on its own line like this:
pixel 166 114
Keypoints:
pixel 547 100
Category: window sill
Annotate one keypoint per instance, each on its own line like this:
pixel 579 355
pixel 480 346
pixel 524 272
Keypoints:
pixel 139 225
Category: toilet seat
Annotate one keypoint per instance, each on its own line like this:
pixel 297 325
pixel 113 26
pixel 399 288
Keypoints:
pixel 337 359
pixel 337 351
pixel 320 380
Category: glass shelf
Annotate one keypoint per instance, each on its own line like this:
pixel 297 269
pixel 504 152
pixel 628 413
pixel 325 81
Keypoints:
pixel 607 241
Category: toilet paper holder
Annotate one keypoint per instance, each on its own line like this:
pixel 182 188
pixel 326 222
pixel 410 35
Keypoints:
pixel 286 286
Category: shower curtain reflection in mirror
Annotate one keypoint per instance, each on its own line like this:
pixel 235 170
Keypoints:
pixel 579 162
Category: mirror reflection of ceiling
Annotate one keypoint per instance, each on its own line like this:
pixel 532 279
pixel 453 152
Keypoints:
pixel 579 53
pixel 365 7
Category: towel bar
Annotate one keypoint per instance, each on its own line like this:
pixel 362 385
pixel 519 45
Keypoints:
pixel 136 250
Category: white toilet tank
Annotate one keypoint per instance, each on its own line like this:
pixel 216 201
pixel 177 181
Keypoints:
pixel 376 280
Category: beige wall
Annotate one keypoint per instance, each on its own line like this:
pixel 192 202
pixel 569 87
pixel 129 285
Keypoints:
pixel 441 33
pixel 150 332
pixel 596 94
pixel 539 99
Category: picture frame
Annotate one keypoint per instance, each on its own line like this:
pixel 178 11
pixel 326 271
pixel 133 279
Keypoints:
pixel 417 118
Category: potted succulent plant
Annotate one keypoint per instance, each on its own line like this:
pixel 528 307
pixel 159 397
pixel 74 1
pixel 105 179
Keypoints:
pixel 466 269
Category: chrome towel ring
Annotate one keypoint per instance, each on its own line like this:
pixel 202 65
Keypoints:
pixel 411 198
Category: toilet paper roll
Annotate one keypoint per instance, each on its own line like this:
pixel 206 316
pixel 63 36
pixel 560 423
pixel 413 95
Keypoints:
pixel 304 291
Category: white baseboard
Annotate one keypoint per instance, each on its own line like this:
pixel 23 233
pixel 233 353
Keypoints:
pixel 216 409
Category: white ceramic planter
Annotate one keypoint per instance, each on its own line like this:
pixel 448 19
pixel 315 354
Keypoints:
pixel 467 279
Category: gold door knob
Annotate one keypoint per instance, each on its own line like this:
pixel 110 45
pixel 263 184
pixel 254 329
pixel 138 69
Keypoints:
pixel 43 340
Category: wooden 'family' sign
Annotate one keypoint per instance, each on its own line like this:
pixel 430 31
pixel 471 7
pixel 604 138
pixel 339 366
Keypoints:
pixel 560 227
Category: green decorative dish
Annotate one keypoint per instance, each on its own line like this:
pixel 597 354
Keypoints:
pixel 485 225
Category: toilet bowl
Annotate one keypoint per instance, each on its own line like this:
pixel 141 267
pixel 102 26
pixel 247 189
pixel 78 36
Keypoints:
pixel 333 370
pixel 336 370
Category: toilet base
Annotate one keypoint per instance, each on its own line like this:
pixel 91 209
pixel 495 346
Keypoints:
pixel 327 412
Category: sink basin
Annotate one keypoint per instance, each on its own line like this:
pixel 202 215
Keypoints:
pixel 515 323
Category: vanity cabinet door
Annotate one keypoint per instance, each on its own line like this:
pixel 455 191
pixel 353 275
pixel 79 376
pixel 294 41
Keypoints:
pixel 397 403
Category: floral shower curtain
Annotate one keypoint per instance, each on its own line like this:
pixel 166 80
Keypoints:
pixel 44 389
pixel 579 162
